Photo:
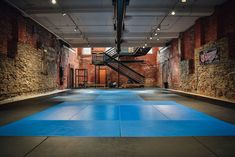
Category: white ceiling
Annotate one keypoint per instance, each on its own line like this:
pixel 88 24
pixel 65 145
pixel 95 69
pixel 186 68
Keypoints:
pixel 95 19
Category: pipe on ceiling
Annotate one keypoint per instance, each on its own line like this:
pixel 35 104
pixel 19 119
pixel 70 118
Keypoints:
pixel 119 14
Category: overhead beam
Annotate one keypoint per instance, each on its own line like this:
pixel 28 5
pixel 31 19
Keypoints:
pixel 137 44
pixel 197 11
pixel 119 13
pixel 111 35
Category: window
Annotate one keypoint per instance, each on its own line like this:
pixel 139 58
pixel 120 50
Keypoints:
pixel 86 51
pixel 107 48
pixel 150 51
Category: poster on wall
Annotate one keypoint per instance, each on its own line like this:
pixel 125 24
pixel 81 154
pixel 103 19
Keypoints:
pixel 209 56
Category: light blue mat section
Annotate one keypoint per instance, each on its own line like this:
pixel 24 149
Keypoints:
pixel 117 113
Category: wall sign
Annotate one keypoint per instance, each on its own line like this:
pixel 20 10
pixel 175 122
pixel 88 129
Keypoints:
pixel 209 56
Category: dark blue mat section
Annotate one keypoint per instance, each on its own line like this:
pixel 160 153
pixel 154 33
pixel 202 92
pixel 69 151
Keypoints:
pixel 117 113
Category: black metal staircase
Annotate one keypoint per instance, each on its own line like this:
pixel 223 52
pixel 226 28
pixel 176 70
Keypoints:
pixel 109 58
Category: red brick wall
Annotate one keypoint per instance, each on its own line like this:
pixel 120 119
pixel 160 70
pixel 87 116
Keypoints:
pixel 148 68
pixel 226 24
pixel 174 63
pixel 211 28
pixel 30 56
pixel 215 30
pixel 9 30
pixel 188 44
pixel 199 33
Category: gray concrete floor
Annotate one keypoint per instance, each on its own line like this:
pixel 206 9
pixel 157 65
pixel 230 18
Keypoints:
pixel 117 147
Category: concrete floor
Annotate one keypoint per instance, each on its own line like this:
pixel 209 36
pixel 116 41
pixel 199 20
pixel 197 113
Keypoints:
pixel 120 147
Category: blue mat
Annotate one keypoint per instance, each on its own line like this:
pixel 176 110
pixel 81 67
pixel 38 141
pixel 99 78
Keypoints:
pixel 118 113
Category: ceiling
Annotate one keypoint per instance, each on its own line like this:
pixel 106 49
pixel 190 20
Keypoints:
pixel 94 19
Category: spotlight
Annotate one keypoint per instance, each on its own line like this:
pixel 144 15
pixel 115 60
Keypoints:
pixel 158 39
pixel 150 38
pixel 155 34
pixel 158 28
pixel 173 13
pixel 183 1
pixel 75 29
pixel 145 45
pixel 64 14
pixel 53 1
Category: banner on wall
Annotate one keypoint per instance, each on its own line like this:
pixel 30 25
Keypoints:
pixel 209 56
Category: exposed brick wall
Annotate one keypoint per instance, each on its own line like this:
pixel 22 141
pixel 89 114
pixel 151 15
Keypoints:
pixel 30 56
pixel 9 30
pixel 174 64
pixel 226 24
pixel 210 27
pixel 199 33
pixel 148 68
pixel 217 79
pixel 188 44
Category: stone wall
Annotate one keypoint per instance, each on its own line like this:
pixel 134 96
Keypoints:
pixel 218 79
pixel 27 72
pixel 215 80
pixel 30 56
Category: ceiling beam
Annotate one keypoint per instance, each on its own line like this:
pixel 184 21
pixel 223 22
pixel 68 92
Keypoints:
pixel 112 35
pixel 196 11
pixel 125 44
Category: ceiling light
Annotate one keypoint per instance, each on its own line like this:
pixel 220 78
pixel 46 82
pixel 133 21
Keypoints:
pixel 158 39
pixel 158 28
pixel 75 29
pixel 53 1
pixel 145 44
pixel 183 1
pixel 155 34
pixel 173 13
pixel 150 38
pixel 143 47
pixel 64 14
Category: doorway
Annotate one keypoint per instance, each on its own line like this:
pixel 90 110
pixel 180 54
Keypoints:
pixel 102 76
pixel 71 78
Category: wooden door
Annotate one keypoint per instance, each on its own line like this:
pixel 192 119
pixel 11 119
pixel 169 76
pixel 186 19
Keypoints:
pixel 102 76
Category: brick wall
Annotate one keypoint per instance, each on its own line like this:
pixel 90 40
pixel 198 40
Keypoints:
pixel 148 68
pixel 30 56
pixel 216 79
